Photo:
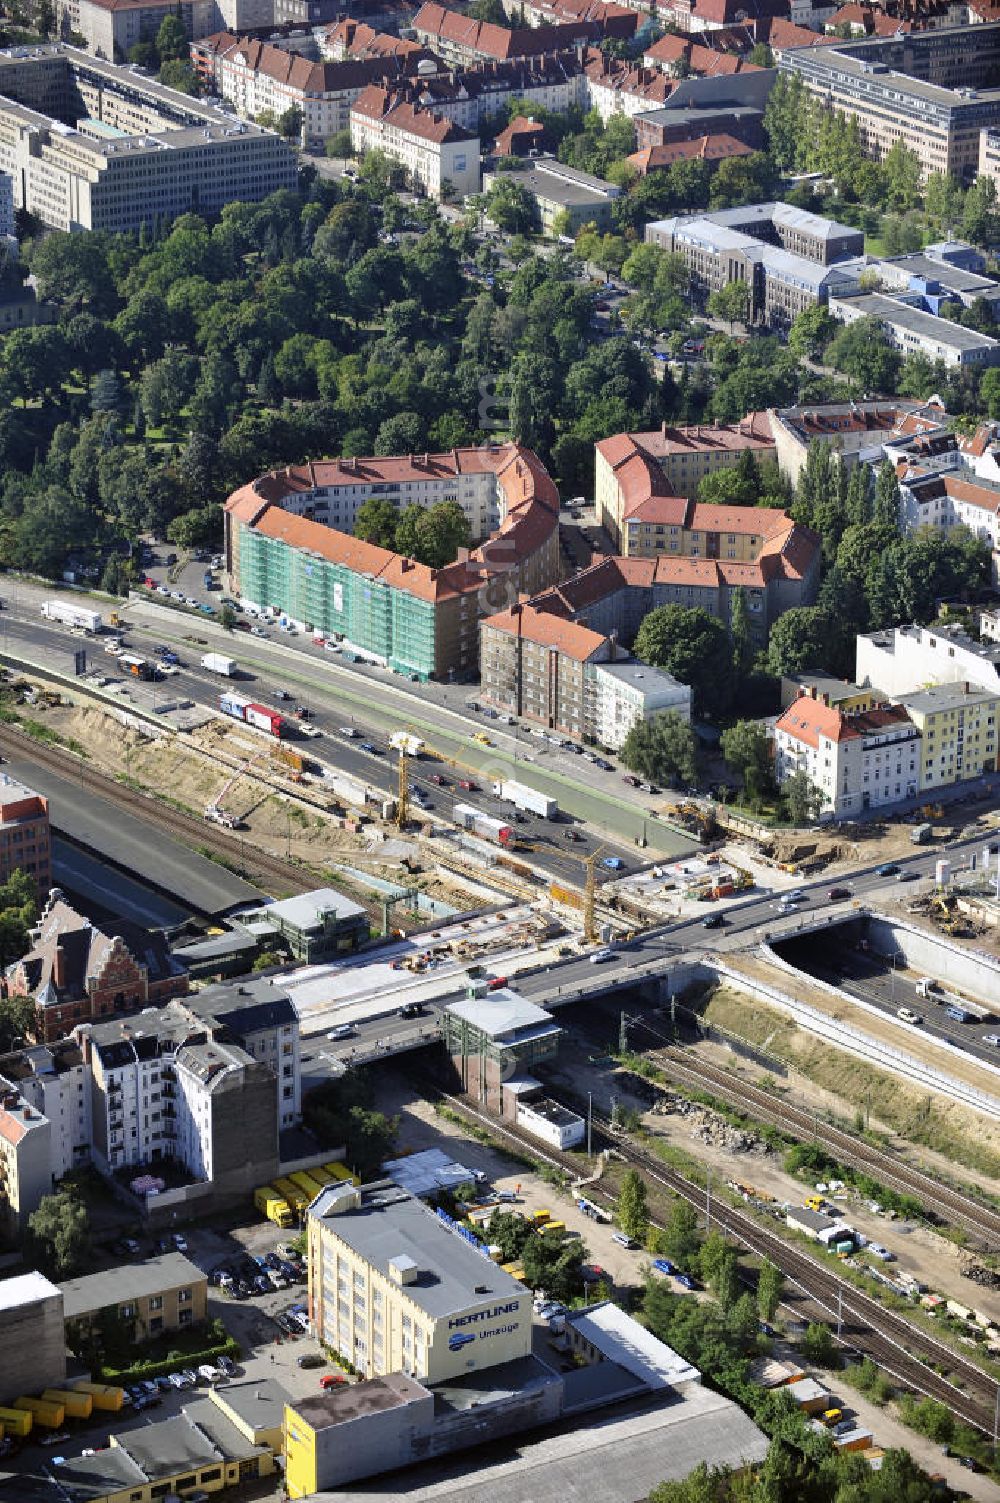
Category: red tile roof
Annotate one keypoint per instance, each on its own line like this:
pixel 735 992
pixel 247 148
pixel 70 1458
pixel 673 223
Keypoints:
pixel 439 24
pixel 808 719
pixel 299 74
pixel 712 148
pixel 375 103
pixel 547 630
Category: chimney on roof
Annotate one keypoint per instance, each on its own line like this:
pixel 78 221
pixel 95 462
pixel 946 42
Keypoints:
pixel 59 968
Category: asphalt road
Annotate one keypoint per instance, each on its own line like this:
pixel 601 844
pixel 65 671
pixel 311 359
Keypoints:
pixel 370 707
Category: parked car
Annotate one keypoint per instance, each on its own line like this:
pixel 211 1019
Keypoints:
pixel 836 894
pixel 310 1359
pixel 227 1365
pixel 663 1265
pixel 332 1380
pixel 713 921
pixel 887 869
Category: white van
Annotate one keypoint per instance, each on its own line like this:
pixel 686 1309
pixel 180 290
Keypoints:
pixel 624 1241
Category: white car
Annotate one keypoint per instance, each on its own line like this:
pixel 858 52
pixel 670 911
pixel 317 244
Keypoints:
pixel 599 956
pixel 992 1038
pixel 179 1242
pixel 342 1031
pixel 208 1373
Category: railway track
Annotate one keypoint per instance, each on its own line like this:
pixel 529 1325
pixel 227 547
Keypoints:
pixel 909 1355
pixel 256 865
pixel 945 1202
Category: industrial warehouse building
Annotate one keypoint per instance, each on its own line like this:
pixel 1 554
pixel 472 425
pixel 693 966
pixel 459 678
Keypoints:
pixel 290 549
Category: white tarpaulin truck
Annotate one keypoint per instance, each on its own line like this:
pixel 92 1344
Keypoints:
pixel 528 799
pixel 72 615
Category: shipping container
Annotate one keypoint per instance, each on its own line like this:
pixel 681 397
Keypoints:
pixel 44 1412
pixel 16 1422
pixel 539 1216
pixel 77 1404
pixel 264 719
pixel 107 1398
pixel 553 1229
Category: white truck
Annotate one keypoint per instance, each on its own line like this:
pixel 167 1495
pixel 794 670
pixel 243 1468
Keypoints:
pixel 403 741
pixel 484 825
pixel 68 614
pixel 217 662
pixel 528 799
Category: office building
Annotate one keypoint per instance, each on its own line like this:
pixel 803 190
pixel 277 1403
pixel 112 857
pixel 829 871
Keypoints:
pixel 54 1080
pixel 927 282
pixel 25 1159
pixel 914 331
pixel 856 759
pixel 255 76
pixel 289 545
pixel 675 123
pixel 92 146
pixel 560 193
pixel 163 1293
pixel 437 153
pixel 715 147
pixel 25 843
pixel 935 91
pixel 396 1289
pixel 78 973
pixel 31 1336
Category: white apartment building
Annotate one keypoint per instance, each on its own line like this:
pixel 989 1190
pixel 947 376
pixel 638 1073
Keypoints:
pixel 25 1159
pixel 54 1079
pixel 948 500
pixel 913 331
pixel 619 694
pixel 860 760
pixel 907 659
pixel 437 153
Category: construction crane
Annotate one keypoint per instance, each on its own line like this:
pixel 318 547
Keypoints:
pixel 403 793
pixel 589 884
pixel 214 811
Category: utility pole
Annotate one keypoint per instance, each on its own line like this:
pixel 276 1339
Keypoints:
pixel 840 1311
pixel 590 1124
pixel 708 1202
pixel 623 1033
pixel 590 900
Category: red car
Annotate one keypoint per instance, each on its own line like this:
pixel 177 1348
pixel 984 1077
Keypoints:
pixel 836 893
pixel 627 777
pixel 468 785
pixel 332 1380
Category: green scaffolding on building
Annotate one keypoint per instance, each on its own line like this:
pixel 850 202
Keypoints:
pixel 331 598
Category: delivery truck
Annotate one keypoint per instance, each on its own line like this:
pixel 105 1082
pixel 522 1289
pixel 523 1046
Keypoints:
pixel 16 1422
pixel 483 825
pixel 44 1412
pixel 528 799
pixel 217 662
pixel 106 1396
pixel 68 614
pixel 77 1404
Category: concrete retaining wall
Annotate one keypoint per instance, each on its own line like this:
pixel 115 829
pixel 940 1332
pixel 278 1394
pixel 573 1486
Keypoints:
pixel 969 971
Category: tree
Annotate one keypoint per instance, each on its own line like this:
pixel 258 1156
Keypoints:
pixel 746 747
pixel 718 1265
pixel 694 647
pixel 799 641
pixel 18 911
pixel 662 749
pixel 339 1113
pixel 510 205
pixel 739 628
pixel 633 1214
pixel 375 521
pixel 60 1235
pixel 801 798
pixel 817 1344
pixel 290 123
pixel 17 1017
pixel 770 1286
pixel 171 39
pixel 177 73
pixel 863 352
pixel 811 332
pixel 731 303
pixel 679 1239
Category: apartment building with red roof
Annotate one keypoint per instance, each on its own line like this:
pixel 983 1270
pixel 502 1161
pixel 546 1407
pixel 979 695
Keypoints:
pixel 461 39
pixel 436 152
pixel 856 760
pixel 617 22
pixel 712 148
pixel 290 547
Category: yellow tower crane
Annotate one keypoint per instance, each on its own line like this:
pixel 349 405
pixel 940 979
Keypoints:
pixel 590 895
pixel 403 792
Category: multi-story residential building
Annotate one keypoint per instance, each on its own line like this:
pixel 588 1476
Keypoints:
pixel 914 331
pixel 289 545
pixel 616 22
pixel 681 57
pixel 254 77
pixel 669 462
pixel 25 1159
pixel 54 1079
pixel 76 972
pixel 856 432
pixel 91 146
pixel 350 38
pixel 460 39
pixel 259 1017
pixel 906 659
pixel 935 91
pixel 439 155
pixel 390 1286
pixel 958 729
pixel 562 193
pixel 857 760
pixel 163 1293
pixel 25 841
pixel 947 499
pixel 618 87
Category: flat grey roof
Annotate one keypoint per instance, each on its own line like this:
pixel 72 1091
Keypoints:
pixel 169 1447
pixel 860 58
pixel 950 276
pixel 306 909
pixel 452 1276
pixel 259 1402
pixel 504 1012
pixel 621 1339
pixel 26 1289
pixel 641 675
pixel 109 1471
pixel 928 325
pixel 944 697
pixel 623 1458
pixel 551 1111
pixel 560 188
pixel 350 1401
pixel 96 1291
pixel 490 1385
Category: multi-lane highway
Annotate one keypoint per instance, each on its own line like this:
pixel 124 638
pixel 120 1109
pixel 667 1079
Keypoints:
pixel 337 703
